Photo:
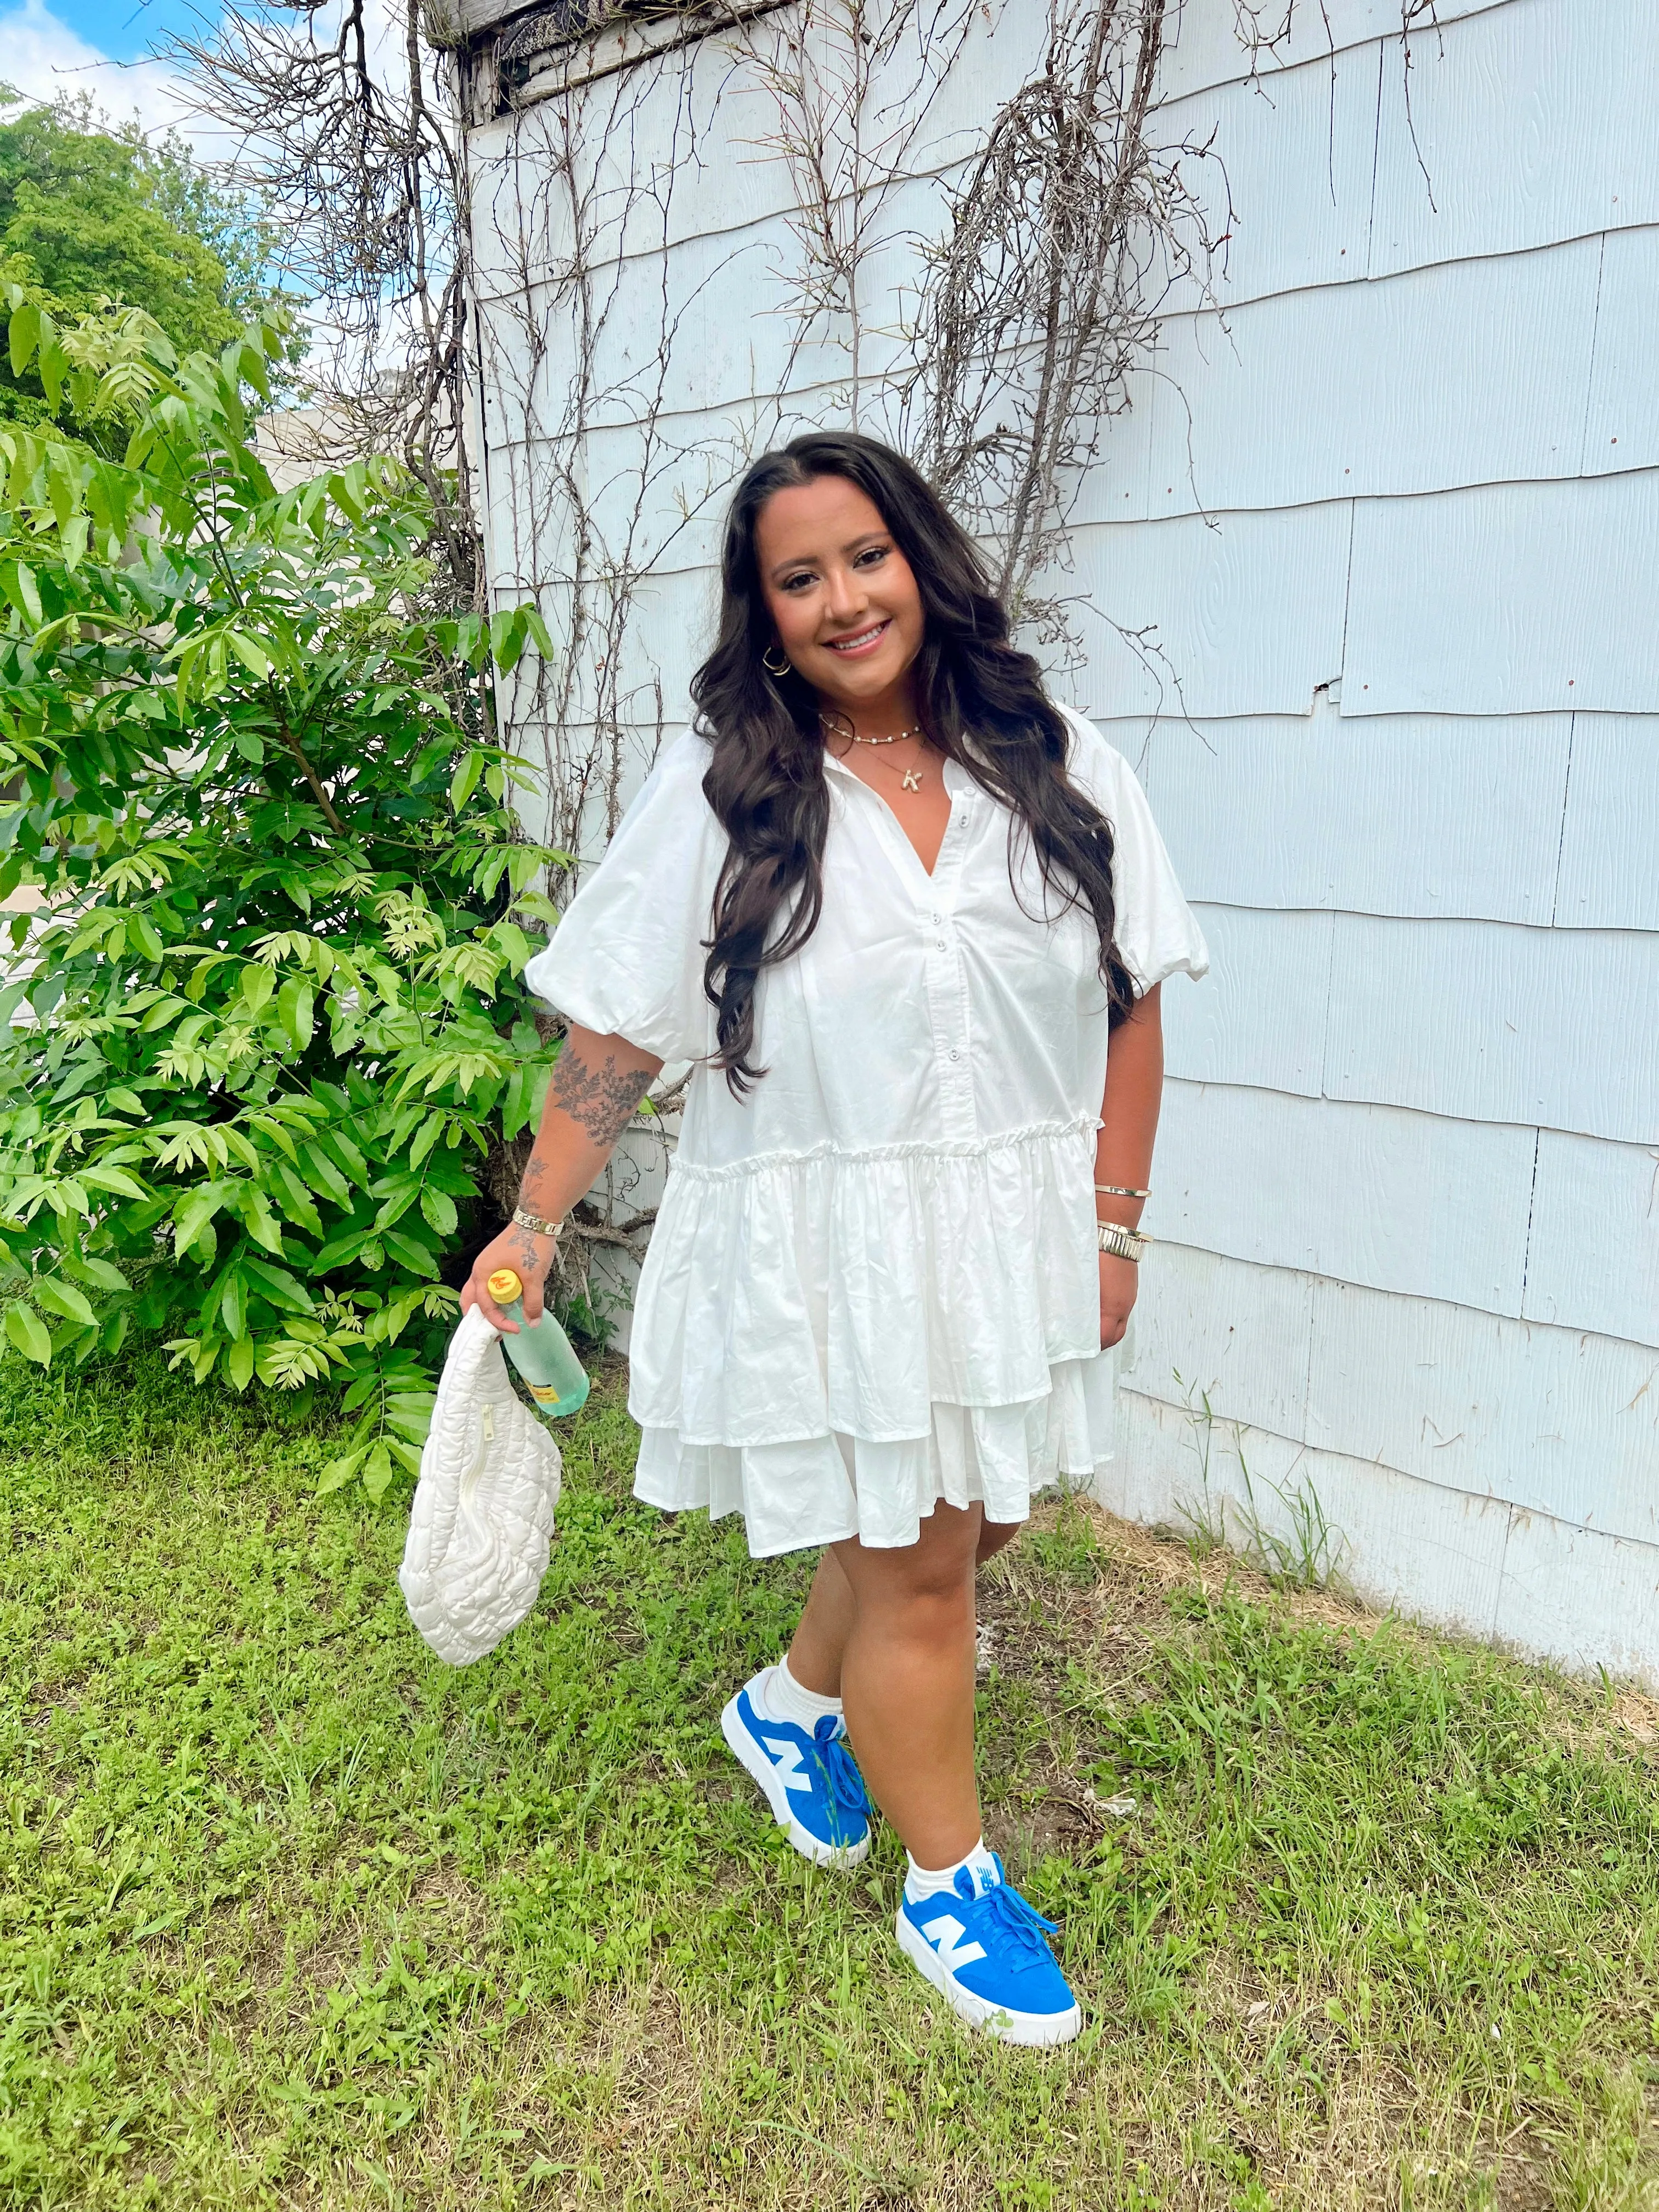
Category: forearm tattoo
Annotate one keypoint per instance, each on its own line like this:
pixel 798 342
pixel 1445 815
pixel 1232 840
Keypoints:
pixel 601 1101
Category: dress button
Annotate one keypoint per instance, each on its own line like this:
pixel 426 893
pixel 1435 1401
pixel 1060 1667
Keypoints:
pixel 943 946
pixel 956 1056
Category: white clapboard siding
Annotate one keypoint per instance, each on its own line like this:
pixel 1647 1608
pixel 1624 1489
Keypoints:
pixel 689 120
pixel 1204 50
pixel 1391 539
pixel 926 126
pixel 667 636
pixel 1208 1328
pixel 1582 1598
pixel 1416 1204
pixel 529 523
pixel 642 746
pixel 1259 1017
pixel 524 221
pixel 1433 1553
pixel 1557 1420
pixel 1306 140
pixel 1495 1024
pixel 1593 1258
pixel 1510 599
pixel 1371 815
pixel 1527 124
pixel 1621 430
pixel 1379 382
pixel 1610 840
pixel 1248 613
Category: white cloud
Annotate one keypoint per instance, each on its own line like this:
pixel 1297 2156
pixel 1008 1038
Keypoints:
pixel 43 58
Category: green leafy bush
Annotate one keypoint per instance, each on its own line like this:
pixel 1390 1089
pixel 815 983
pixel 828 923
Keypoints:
pixel 265 1024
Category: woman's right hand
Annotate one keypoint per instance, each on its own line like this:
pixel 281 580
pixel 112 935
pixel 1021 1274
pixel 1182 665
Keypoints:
pixel 529 1256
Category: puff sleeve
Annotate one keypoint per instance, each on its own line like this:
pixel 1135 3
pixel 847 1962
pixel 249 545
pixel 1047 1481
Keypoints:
pixel 1156 931
pixel 627 959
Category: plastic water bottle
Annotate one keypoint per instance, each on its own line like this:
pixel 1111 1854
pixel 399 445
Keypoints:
pixel 553 1375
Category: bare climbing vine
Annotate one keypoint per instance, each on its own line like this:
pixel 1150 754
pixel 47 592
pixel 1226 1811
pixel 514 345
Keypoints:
pixel 1064 236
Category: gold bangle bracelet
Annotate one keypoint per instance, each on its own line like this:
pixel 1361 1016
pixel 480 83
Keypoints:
pixel 1122 1243
pixel 1119 1190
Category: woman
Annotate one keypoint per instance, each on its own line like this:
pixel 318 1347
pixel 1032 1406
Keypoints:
pixel 891 901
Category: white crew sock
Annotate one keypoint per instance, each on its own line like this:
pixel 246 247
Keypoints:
pixel 783 1699
pixel 927 1881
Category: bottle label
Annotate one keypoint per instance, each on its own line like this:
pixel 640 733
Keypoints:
pixel 544 1394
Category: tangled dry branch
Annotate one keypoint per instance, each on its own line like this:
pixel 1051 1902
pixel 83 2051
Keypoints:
pixel 345 126
pixel 1043 294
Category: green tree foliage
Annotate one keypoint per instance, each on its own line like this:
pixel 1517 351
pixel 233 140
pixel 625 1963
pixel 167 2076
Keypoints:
pixel 91 214
pixel 266 1022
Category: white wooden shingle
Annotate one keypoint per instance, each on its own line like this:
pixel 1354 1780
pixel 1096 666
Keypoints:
pixel 1401 1543
pixel 1259 1015
pixel 1417 1204
pixel 1494 1024
pixel 1588 1601
pixel 1527 124
pixel 1556 1420
pixel 1206 1327
pixel 1242 617
pixel 1610 838
pixel 1371 814
pixel 1371 389
pixel 1510 599
pixel 1593 1254
pixel 1204 48
pixel 1621 430
pixel 1288 185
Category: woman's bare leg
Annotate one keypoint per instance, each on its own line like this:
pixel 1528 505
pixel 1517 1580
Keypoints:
pixel 992 1536
pixel 826 1621
pixel 814 1654
pixel 907 1680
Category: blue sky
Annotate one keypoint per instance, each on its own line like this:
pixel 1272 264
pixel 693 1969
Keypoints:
pixel 51 46
pixel 125 29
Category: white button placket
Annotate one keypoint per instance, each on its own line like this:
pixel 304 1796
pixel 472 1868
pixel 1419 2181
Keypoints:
pixel 947 986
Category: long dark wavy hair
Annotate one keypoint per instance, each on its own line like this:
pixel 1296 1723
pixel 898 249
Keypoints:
pixel 766 782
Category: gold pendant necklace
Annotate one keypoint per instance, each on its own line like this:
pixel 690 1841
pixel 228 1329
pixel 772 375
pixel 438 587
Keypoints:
pixel 911 777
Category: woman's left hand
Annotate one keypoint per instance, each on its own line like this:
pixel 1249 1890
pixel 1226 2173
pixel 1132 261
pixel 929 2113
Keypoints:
pixel 1118 1281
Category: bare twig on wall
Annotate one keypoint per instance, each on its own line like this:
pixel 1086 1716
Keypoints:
pixel 851 86
pixel 1042 296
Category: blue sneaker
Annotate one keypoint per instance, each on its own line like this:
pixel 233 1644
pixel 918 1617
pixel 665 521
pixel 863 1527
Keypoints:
pixel 815 1790
pixel 983 1946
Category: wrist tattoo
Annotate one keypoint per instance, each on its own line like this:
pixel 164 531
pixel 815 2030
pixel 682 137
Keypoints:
pixel 601 1101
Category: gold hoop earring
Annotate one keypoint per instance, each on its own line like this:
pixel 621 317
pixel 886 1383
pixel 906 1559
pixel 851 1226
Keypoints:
pixel 766 663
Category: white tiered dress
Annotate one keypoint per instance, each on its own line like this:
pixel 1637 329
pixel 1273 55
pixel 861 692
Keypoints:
pixel 874 1283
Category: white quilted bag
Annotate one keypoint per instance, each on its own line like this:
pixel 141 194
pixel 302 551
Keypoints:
pixel 481 1524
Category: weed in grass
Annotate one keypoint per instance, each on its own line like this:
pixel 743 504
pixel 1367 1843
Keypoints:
pixel 291 1915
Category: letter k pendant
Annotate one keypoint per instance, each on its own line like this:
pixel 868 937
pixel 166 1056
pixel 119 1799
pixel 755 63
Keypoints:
pixel 912 779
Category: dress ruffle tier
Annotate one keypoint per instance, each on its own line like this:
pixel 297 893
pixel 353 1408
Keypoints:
pixel 829 1342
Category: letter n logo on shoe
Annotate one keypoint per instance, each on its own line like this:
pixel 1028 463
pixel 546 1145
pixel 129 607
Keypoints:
pixel 945 1934
pixel 785 1757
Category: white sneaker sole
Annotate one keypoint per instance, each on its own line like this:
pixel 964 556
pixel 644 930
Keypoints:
pixel 1037 2030
pixel 755 1762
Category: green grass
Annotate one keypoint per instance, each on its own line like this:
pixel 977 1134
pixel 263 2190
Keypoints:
pixel 291 1915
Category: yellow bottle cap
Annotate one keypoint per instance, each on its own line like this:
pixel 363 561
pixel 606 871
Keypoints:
pixel 504 1286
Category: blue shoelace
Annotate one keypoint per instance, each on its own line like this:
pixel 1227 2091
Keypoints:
pixel 842 1781
pixel 1021 1923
